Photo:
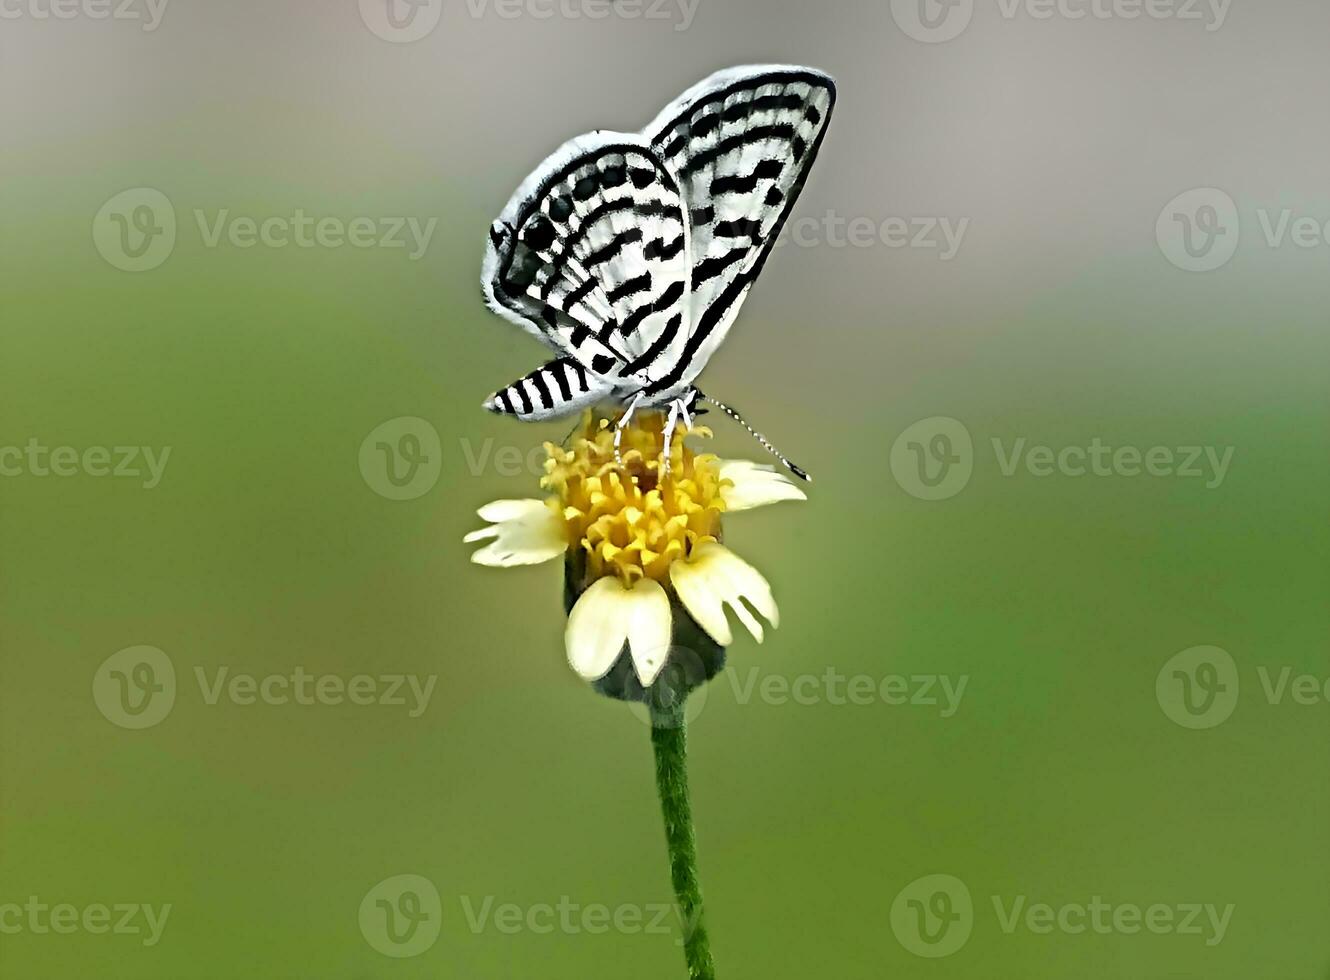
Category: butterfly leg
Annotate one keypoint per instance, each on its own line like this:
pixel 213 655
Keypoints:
pixel 678 413
pixel 623 424
pixel 671 420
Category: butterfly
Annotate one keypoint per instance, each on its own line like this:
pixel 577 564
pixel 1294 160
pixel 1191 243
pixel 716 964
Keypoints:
pixel 630 254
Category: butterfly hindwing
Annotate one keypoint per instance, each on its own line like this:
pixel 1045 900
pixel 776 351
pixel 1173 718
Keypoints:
pixel 558 388
pixel 741 144
pixel 592 254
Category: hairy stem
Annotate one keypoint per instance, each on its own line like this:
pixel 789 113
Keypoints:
pixel 670 742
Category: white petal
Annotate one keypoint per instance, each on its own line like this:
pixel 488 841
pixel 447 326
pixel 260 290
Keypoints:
pixel 649 630
pixel 606 615
pixel 754 485
pixel 713 577
pixel 525 532
pixel 498 511
pixel 749 620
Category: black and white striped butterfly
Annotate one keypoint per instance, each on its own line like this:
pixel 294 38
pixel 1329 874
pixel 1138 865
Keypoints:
pixel 630 254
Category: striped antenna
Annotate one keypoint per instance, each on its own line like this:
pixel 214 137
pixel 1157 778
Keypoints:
pixel 796 470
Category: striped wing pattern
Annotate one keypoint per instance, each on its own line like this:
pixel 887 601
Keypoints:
pixel 741 144
pixel 555 389
pixel 593 255
pixel 630 254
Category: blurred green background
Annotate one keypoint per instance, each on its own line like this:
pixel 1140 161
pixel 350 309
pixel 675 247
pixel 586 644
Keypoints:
pixel 1060 776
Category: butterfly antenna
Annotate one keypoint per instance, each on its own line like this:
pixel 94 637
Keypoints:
pixel 798 471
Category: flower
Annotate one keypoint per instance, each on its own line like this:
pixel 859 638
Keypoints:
pixel 642 542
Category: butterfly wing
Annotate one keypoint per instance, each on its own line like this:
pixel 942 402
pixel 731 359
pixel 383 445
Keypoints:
pixel 558 388
pixel 592 255
pixel 741 144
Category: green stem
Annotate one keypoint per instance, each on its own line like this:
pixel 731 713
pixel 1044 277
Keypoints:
pixel 670 742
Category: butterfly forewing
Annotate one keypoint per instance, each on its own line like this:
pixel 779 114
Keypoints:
pixel 741 144
pixel 593 255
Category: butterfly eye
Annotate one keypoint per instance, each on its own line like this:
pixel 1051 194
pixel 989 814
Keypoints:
pixel 497 233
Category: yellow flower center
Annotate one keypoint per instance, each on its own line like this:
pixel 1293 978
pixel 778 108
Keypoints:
pixel 629 520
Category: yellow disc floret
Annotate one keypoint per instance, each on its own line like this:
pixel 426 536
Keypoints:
pixel 627 519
